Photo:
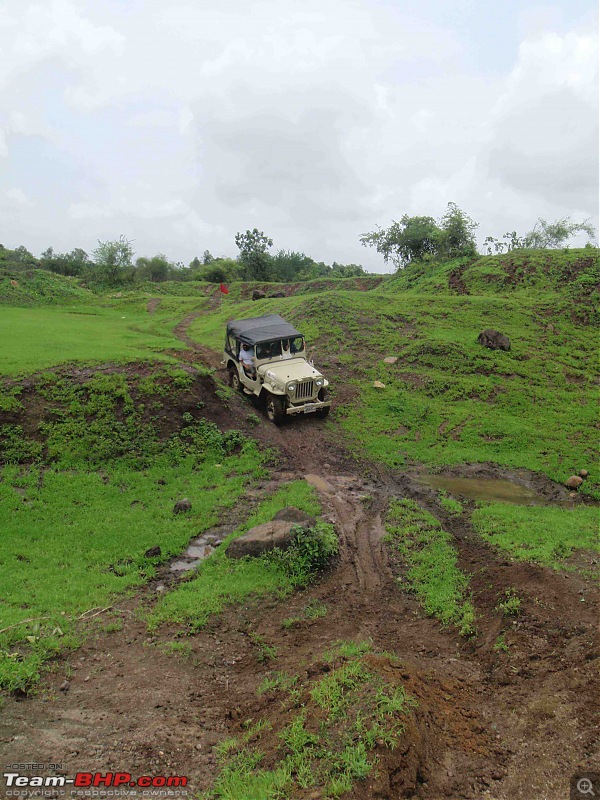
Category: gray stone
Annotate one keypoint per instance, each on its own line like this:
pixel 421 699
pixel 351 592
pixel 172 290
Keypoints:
pixel 292 514
pixel 583 473
pixel 493 340
pixel 390 360
pixel 182 506
pixel 258 295
pixel 258 540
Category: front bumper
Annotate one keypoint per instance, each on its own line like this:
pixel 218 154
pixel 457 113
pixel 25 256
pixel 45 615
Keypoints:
pixel 308 408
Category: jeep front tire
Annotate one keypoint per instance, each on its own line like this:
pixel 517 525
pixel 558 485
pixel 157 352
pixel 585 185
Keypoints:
pixel 234 379
pixel 275 409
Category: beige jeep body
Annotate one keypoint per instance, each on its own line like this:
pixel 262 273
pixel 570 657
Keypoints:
pixel 278 373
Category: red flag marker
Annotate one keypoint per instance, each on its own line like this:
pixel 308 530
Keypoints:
pixel 224 289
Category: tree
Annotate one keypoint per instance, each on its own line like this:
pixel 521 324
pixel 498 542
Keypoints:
pixel 207 257
pixel 543 236
pixel 551 235
pixel 255 259
pixel 457 234
pixel 421 238
pixel 156 269
pixel 411 239
pixel 113 261
pixel 288 265
pixel 346 270
pixel 74 263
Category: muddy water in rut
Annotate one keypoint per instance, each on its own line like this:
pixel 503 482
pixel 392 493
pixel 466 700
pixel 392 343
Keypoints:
pixel 489 724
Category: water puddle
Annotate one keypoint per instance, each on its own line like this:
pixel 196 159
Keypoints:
pixel 492 490
pixel 197 551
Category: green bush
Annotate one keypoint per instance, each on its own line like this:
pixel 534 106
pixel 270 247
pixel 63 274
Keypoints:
pixel 312 550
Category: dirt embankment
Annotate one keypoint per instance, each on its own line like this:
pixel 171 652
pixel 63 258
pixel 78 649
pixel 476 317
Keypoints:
pixel 489 724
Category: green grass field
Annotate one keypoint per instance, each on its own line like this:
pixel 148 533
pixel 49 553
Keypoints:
pixel 38 338
pixel 80 498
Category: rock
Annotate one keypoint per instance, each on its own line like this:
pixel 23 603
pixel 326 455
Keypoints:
pixel 182 506
pixel 378 385
pixel 258 295
pixel 258 540
pixel 152 552
pixel 277 294
pixel 583 473
pixel 65 686
pixel 390 360
pixel 493 340
pixel 291 514
pixel 574 482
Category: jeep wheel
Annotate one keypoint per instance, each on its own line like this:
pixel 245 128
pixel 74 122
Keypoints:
pixel 234 379
pixel 275 409
pixel 321 413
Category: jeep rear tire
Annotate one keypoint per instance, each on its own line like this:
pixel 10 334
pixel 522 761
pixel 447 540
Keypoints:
pixel 275 409
pixel 234 379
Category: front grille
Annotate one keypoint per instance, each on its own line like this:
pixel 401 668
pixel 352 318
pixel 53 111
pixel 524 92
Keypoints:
pixel 304 390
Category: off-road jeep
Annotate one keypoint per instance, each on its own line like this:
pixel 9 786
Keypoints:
pixel 266 357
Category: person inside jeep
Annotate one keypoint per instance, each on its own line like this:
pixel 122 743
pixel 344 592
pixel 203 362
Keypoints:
pixel 246 359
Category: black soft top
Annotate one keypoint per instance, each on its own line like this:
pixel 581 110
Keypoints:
pixel 267 328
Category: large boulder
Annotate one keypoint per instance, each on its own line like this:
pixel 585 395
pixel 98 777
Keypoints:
pixel 293 514
pixel 258 540
pixel 493 340
pixel 258 295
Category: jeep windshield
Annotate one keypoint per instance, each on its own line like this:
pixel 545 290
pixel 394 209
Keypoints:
pixel 280 348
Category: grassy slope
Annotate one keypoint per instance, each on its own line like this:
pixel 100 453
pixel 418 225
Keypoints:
pixel 447 400
pixel 77 522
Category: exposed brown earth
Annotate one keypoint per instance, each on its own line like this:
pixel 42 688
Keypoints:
pixel 489 724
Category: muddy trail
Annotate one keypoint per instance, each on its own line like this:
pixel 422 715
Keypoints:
pixel 489 724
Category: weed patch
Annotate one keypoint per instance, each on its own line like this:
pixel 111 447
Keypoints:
pixel 431 558
pixel 544 535
pixel 326 732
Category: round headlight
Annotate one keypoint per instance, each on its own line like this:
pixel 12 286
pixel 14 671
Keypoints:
pixel 292 387
pixel 319 382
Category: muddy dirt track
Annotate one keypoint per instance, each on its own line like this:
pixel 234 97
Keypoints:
pixel 488 724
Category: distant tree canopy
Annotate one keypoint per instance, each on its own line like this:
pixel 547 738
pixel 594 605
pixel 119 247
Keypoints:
pixel 254 256
pixel 418 239
pixel 74 263
pixel 543 236
pixel 410 240
pixel 421 238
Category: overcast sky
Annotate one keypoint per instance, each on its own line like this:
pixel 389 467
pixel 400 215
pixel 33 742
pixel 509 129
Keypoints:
pixel 178 123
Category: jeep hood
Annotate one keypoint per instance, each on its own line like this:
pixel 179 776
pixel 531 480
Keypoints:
pixel 292 369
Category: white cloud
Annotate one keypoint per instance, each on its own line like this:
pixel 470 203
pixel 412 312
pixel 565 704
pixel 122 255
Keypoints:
pixel 18 196
pixel 179 124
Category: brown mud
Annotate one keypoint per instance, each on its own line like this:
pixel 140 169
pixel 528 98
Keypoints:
pixel 489 723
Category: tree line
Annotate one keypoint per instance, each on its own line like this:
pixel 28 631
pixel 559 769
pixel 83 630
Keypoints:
pixel 420 239
pixel 113 264
pixel 410 240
